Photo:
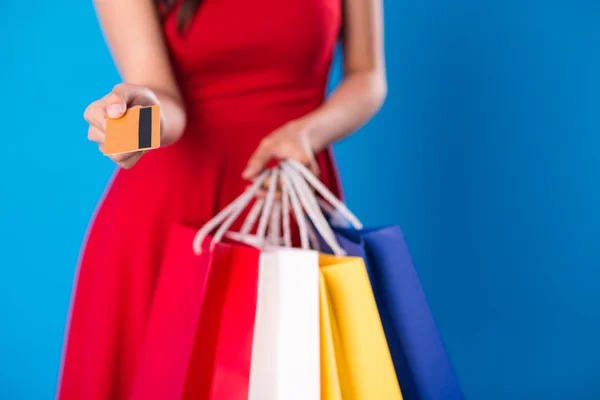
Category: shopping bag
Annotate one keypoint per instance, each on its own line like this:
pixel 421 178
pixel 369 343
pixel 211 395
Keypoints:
pixel 422 364
pixel 219 368
pixel 285 354
pixel 198 338
pixel 363 367
pixel 420 359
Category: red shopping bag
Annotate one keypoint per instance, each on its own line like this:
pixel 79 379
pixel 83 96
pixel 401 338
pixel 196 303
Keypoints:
pixel 198 340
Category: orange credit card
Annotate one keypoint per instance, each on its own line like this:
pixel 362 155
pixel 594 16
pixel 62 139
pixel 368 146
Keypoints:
pixel 138 129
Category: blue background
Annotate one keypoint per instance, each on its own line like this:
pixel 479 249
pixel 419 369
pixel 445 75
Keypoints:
pixel 486 153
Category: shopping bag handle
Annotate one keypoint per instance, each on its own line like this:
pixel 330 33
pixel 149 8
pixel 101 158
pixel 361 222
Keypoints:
pixel 268 206
pixel 295 179
pixel 261 211
pixel 298 214
pixel 311 207
pixel 285 216
pixel 252 216
pixel 274 236
pixel 336 203
pixel 227 216
pixel 269 212
pixel 312 240
pixel 275 214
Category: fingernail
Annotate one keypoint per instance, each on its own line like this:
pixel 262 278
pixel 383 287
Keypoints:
pixel 115 110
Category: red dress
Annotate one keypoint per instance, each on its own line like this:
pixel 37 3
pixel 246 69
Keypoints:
pixel 244 68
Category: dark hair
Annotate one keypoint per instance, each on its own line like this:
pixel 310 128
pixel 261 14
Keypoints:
pixel 186 11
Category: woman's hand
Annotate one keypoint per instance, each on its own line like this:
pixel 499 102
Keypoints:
pixel 114 105
pixel 290 141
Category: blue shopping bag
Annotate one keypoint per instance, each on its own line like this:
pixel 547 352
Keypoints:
pixel 422 364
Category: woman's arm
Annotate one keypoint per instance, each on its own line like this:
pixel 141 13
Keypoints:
pixel 358 97
pixel 363 88
pixel 133 32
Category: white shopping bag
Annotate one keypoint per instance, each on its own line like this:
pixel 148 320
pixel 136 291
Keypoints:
pixel 286 348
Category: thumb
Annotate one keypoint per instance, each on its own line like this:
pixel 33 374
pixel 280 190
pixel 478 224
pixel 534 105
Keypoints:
pixel 124 95
pixel 116 110
pixel 116 104
pixel 255 166
pixel 259 159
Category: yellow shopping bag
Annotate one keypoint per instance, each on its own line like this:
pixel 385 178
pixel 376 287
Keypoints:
pixel 355 359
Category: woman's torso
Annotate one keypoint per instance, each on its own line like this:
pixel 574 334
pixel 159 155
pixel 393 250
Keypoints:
pixel 246 67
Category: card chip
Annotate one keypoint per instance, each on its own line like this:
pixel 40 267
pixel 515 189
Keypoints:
pixel 138 129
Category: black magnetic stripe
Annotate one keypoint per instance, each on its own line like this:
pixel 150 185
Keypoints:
pixel 145 128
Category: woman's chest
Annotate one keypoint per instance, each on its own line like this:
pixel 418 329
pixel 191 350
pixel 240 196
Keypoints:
pixel 242 35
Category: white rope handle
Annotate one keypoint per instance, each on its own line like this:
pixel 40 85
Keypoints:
pixel 264 217
pixel 252 217
pixel 257 240
pixel 275 224
pixel 310 205
pixel 309 202
pixel 297 208
pixel 326 193
pixel 327 208
pixel 279 214
pixel 285 215
pixel 229 213
pixel 313 238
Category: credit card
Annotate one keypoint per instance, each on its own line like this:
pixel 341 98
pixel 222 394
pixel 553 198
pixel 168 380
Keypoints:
pixel 138 129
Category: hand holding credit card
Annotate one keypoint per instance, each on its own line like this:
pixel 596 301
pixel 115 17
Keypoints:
pixel 138 129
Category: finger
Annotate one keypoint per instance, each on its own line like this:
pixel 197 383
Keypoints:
pixel 262 193
pixel 311 160
pixel 124 95
pixel 131 161
pixel 267 184
pixel 268 181
pixel 95 114
pixel 134 95
pixel 96 135
pixel 301 153
pixel 259 159
pixel 119 158
pixel 116 104
pixel 313 166
pixel 128 164
pixel 122 157
pixel 296 154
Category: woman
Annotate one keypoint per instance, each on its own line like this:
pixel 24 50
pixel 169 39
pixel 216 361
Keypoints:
pixel 240 83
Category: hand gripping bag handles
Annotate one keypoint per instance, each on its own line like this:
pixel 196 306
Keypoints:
pixel 355 358
pixel 198 338
pixel 285 356
pixel 420 359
